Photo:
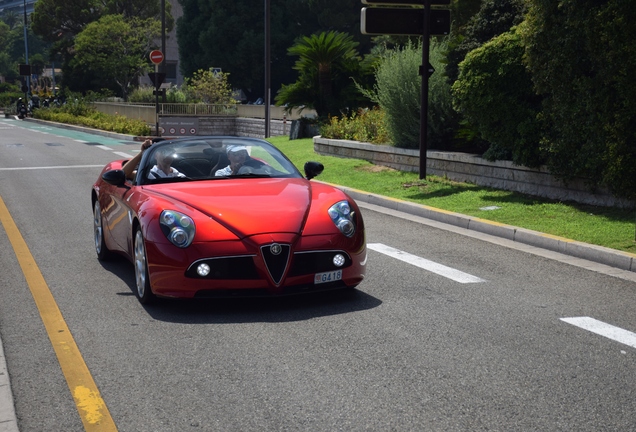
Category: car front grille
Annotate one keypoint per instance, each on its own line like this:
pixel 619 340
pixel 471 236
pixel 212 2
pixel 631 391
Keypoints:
pixel 276 258
pixel 316 262
pixel 229 268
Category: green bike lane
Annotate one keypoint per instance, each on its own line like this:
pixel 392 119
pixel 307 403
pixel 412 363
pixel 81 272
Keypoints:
pixel 91 136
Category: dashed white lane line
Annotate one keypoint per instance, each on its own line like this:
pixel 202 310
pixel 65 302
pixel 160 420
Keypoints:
pixel 607 330
pixel 433 267
pixel 103 147
pixel 51 167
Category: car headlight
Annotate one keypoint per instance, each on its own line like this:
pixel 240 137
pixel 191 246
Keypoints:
pixel 342 216
pixel 177 227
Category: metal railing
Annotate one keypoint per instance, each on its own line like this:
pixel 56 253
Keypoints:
pixel 189 109
pixel 146 111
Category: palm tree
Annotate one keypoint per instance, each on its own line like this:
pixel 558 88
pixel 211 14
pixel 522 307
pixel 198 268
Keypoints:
pixel 326 63
pixel 11 18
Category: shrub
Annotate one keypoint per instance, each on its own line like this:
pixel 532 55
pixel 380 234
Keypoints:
pixel 9 93
pixel 78 113
pixel 365 126
pixel 398 93
pixel 144 94
pixel 494 93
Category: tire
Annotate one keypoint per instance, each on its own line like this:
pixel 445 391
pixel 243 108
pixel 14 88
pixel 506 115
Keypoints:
pixel 143 292
pixel 103 253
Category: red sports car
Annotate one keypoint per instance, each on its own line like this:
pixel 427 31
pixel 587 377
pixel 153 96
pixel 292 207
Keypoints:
pixel 225 216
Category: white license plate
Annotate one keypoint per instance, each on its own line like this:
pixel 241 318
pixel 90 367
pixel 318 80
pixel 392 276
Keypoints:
pixel 328 277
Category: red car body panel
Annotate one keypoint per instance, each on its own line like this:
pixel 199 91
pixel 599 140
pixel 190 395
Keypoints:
pixel 236 220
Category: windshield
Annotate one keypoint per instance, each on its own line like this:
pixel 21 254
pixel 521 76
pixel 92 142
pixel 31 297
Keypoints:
pixel 213 158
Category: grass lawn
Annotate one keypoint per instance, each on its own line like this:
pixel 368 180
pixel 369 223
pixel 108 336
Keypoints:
pixel 609 227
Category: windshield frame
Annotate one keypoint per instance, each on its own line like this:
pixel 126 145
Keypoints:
pixel 193 156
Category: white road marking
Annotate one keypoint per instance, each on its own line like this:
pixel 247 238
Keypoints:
pixel 51 167
pixel 442 270
pixel 607 330
pixel 103 147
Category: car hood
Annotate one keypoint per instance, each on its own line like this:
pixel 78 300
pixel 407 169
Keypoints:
pixel 246 206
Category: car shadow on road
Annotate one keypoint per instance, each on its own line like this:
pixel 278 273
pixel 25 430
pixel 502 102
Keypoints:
pixel 299 307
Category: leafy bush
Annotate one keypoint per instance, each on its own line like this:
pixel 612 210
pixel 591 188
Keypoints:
pixel 494 93
pixel 365 126
pixel 78 113
pixel 144 94
pixel 9 93
pixel 582 59
pixel 398 92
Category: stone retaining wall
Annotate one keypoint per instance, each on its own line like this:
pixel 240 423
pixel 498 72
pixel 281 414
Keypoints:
pixel 240 126
pixel 472 169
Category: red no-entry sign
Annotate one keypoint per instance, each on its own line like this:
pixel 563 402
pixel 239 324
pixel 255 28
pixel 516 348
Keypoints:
pixel 156 56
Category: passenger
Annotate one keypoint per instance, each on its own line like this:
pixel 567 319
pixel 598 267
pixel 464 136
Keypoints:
pixel 162 169
pixel 131 166
pixel 238 157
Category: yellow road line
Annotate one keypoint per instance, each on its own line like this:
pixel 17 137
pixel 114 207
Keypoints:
pixel 91 407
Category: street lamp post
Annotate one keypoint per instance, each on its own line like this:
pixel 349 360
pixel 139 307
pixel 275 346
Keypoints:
pixel 26 55
pixel 267 68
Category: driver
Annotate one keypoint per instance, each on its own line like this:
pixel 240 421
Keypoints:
pixel 162 169
pixel 238 157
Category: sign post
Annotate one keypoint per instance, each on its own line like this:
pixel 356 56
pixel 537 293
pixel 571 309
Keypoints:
pixel 156 57
pixel 410 22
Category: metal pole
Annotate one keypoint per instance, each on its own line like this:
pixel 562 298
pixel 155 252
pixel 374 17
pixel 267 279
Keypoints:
pixel 26 55
pixel 53 77
pixel 267 68
pixel 163 36
pixel 424 94
pixel 157 131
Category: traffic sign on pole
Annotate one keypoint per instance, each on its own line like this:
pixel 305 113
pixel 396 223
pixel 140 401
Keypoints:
pixel 157 78
pixel 404 21
pixel 403 2
pixel 156 56
pixel 410 21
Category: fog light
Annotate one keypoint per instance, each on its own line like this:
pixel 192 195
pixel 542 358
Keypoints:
pixel 338 260
pixel 203 269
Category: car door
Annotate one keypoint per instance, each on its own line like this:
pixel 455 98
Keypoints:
pixel 118 215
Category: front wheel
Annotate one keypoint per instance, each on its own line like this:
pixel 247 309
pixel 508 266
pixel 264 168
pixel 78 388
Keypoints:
pixel 103 253
pixel 142 281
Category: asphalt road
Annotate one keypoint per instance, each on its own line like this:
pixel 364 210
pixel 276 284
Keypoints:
pixel 451 331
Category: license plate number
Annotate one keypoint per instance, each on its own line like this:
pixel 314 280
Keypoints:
pixel 328 277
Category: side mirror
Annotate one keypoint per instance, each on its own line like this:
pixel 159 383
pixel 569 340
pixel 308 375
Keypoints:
pixel 114 177
pixel 313 169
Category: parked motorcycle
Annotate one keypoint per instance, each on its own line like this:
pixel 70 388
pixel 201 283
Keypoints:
pixel 22 111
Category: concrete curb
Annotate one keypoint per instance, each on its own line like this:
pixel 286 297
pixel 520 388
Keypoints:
pixel 602 255
pixel 8 419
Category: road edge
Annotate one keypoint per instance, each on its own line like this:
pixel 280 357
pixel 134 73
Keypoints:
pixel 599 254
pixel 8 418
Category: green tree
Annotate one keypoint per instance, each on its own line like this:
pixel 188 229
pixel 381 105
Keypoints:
pixel 210 87
pixel 493 18
pixel 494 93
pixel 582 58
pixel 206 27
pixel 328 63
pixel 115 49
pixel 11 18
pixel 60 22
